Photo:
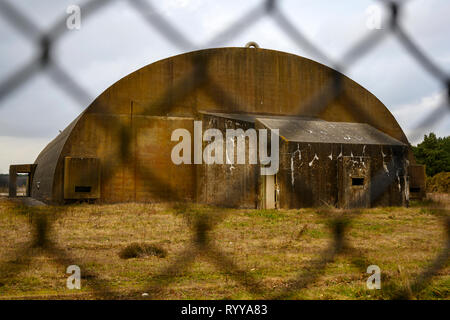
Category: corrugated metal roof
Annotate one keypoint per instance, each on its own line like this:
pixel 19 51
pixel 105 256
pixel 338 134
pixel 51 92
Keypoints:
pixel 314 131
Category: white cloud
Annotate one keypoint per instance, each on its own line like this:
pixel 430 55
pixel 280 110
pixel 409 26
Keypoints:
pixel 17 150
pixel 411 115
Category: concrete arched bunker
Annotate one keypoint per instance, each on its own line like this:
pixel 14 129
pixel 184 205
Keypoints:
pixel 238 85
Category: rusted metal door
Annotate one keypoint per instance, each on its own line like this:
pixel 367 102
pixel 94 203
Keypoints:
pixel 354 182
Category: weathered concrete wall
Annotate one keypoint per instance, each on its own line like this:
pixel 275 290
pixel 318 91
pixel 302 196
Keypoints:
pixel 309 173
pixel 354 182
pixel 81 178
pixel 229 185
pixel 140 169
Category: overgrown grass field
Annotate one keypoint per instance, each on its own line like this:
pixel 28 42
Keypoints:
pixel 135 251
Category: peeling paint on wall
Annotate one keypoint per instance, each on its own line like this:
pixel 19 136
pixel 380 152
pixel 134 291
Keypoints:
pixel 385 167
pixel 228 158
pixel 292 163
pixel 315 158
pixel 292 171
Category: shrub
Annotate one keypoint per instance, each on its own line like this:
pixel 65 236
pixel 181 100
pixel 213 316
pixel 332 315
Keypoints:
pixel 140 250
pixel 439 183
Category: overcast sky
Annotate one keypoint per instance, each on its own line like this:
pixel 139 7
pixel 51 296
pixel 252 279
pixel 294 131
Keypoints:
pixel 116 40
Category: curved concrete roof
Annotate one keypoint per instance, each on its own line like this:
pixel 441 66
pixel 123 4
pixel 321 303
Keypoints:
pixel 246 80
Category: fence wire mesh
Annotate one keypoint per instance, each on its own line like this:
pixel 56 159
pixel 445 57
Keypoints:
pixel 202 225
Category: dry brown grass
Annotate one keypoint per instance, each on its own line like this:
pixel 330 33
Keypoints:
pixel 142 250
pixel 264 248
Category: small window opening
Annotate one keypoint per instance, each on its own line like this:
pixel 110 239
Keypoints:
pixel 82 189
pixel 357 181
pixel 414 189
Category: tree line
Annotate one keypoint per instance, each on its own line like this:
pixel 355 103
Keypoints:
pixel 434 153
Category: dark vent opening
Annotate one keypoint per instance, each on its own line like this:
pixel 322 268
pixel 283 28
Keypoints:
pixel 82 189
pixel 414 189
pixel 357 181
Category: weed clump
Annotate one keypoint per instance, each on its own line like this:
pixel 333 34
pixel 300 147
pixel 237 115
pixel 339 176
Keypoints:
pixel 141 250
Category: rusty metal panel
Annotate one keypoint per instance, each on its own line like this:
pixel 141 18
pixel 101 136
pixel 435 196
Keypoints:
pixel 81 178
pixel 354 182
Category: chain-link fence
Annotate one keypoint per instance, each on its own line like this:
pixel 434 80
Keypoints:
pixel 203 224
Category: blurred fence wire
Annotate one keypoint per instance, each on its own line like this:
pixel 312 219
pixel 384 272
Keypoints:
pixel 202 225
